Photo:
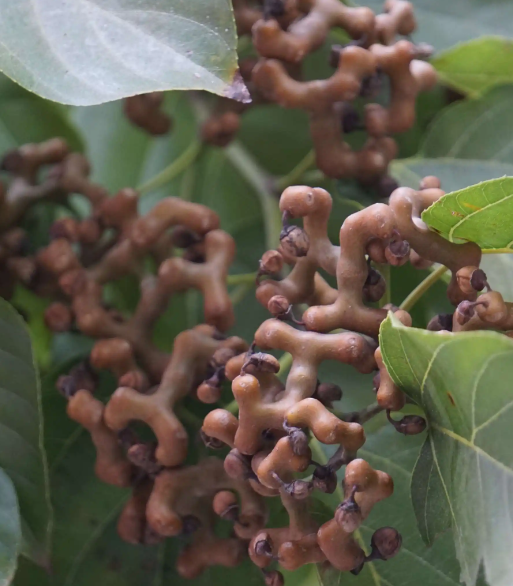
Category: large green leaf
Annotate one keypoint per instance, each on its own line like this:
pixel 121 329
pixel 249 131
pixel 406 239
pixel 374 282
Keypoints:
pixel 10 529
pixel 22 455
pixel 96 51
pixel 464 476
pixel 442 23
pixel 468 142
pixel 477 66
pixel 480 213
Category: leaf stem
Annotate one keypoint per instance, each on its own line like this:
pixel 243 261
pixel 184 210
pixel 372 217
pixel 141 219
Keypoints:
pixel 285 363
pixel 422 287
pixel 260 181
pixel 238 294
pixel 297 172
pixel 386 273
pixel 173 169
pixel 242 279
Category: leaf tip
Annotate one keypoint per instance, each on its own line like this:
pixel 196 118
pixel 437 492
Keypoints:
pixel 237 90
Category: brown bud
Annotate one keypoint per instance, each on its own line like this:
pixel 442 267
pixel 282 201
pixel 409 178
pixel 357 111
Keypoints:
pixel 397 252
pixel 274 9
pixel 430 182
pixel 89 231
pixel 442 321
pixel 226 506
pixel 190 524
pixel 64 228
pixel 300 489
pixel 16 241
pixel 278 305
pixel 409 424
pixel 143 456
pixel 328 393
pixel 294 241
pixel 465 312
pixel 221 356
pixel 262 362
pixel 182 237
pixel 348 515
pixel 478 280
pixel 298 440
pixel 324 479
pixel 375 286
pixel 236 465
pixel 263 545
pixel 211 442
pixel 80 377
pixel 386 543
pixel 208 393
pixel 271 263
pixel 58 317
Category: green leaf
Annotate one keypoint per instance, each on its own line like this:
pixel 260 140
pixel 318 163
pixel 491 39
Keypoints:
pixel 10 529
pixel 464 476
pixel 22 454
pixel 480 213
pixel 442 23
pixel 477 66
pixel 499 270
pixel 96 51
pixel 24 118
pixel 468 142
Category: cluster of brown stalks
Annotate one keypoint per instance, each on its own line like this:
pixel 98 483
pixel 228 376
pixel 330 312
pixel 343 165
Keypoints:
pixel 178 246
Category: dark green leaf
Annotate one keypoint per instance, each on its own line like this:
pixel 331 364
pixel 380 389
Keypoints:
pixel 22 455
pixel 475 67
pixel 10 529
pixel 97 51
pixel 464 476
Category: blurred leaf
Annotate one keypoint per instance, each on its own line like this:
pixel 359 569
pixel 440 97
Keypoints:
pixel 443 24
pixel 467 143
pixel 480 213
pixel 476 66
pixel 123 155
pixel 480 130
pixel 22 454
pixel 24 118
pixel 499 270
pixel 10 530
pixel 464 476
pixel 97 51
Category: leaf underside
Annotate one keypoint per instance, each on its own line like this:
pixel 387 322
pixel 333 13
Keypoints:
pixel 464 476
pixel 85 52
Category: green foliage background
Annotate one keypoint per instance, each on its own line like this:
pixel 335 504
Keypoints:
pixel 462 142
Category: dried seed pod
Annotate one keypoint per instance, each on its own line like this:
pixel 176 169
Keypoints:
pixel 271 263
pixel 386 543
pixel 225 505
pixel 278 305
pixel 294 241
pixel 325 479
pixel 440 322
pixel 328 393
pixel 409 424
